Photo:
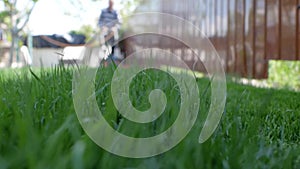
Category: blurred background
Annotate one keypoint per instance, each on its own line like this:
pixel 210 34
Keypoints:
pixel 252 37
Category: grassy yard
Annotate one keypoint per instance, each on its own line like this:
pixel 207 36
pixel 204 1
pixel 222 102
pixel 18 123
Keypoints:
pixel 39 129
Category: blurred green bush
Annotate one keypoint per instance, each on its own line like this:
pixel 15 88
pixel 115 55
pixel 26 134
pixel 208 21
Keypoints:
pixel 284 74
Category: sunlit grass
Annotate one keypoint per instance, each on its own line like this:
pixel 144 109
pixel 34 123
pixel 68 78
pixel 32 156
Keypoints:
pixel 39 129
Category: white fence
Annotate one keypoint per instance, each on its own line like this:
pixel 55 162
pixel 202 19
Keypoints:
pixel 49 57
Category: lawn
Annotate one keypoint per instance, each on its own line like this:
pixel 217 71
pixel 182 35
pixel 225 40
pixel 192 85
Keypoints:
pixel 39 128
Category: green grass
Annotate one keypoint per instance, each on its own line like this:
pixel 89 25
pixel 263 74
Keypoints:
pixel 39 128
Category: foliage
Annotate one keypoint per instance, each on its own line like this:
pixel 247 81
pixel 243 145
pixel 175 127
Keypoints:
pixel 39 128
pixel 86 30
pixel 285 74
pixel 15 20
pixel 14 17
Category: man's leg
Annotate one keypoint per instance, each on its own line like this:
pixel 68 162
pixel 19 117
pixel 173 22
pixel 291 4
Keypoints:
pixel 111 42
pixel 113 50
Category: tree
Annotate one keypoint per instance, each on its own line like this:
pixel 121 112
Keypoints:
pixel 86 30
pixel 14 18
pixel 16 13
